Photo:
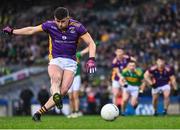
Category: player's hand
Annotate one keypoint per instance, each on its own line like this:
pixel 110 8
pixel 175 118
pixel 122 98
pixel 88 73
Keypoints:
pixel 91 65
pixel 8 30
pixel 78 55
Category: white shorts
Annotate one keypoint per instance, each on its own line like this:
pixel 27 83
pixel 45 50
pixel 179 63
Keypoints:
pixel 132 90
pixel 76 84
pixel 115 84
pixel 161 89
pixel 64 63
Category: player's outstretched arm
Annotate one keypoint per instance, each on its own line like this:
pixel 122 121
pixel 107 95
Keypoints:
pixel 133 58
pixel 23 31
pixel 90 42
pixel 147 78
pixel 143 86
pixel 84 51
pixel 90 65
pixel 173 82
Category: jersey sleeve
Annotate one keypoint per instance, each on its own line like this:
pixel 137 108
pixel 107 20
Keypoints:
pixel 124 71
pixel 171 71
pixel 142 75
pixel 82 30
pixel 45 26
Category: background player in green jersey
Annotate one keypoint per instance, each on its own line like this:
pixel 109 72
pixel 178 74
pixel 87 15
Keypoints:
pixel 132 81
pixel 73 92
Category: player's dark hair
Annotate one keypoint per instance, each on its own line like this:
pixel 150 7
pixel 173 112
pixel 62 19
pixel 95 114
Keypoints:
pixel 61 13
pixel 161 57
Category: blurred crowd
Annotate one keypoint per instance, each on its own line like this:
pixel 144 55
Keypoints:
pixel 143 28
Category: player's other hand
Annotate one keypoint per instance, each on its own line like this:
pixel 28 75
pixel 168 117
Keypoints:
pixel 91 65
pixel 78 55
pixel 8 30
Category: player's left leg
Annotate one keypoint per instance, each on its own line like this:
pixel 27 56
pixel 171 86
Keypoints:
pixel 76 102
pixel 166 94
pixel 67 80
pixel 115 91
pixel 55 74
pixel 155 96
pixel 125 98
pixel 71 103
pixel 134 96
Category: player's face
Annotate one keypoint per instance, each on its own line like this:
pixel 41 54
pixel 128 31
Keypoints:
pixel 119 52
pixel 160 63
pixel 132 66
pixel 63 23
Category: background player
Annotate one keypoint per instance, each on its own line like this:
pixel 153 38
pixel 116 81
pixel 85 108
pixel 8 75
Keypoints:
pixel 64 33
pixel 132 80
pixel 159 77
pixel 74 89
pixel 119 62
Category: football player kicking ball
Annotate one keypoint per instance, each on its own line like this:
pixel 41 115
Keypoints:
pixel 160 77
pixel 64 33
pixel 132 80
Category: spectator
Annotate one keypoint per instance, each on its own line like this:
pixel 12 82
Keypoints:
pixel 26 95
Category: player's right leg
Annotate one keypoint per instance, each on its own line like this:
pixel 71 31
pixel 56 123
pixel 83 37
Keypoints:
pixel 125 98
pixel 77 85
pixel 134 91
pixel 166 94
pixel 155 95
pixel 55 74
pixel 115 91
pixel 76 103
pixel 71 103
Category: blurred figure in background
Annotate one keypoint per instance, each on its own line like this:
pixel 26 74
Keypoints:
pixel 26 96
pixel 73 92
pixel 43 95
pixel 119 62
pixel 160 77
pixel 132 80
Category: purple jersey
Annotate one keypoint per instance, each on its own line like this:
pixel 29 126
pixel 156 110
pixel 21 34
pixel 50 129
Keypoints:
pixel 120 64
pixel 63 43
pixel 161 77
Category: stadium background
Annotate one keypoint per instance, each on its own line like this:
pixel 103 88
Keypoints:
pixel 145 28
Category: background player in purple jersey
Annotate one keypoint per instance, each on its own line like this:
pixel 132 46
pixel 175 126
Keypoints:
pixel 119 62
pixel 161 77
pixel 64 34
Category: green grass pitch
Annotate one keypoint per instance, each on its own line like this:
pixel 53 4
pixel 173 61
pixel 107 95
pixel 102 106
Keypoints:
pixel 91 122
